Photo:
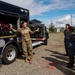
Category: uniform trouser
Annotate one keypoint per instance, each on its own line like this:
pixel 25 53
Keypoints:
pixel 71 53
pixel 27 47
pixel 66 46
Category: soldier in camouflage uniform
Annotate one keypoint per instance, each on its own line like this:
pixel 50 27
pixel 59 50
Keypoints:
pixel 26 40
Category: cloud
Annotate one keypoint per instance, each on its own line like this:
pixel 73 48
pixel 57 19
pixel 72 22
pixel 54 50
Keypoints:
pixel 64 19
pixel 61 21
pixel 67 19
pixel 37 7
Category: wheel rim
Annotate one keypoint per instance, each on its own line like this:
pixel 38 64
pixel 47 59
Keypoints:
pixel 11 53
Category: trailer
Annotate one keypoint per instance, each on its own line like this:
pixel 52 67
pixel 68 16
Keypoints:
pixel 10 42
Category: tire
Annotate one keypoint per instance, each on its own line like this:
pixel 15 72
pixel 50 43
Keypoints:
pixel 45 42
pixel 9 54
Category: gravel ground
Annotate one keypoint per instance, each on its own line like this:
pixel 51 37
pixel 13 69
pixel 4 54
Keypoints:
pixel 48 60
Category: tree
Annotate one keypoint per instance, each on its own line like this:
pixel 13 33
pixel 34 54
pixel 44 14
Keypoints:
pixel 51 27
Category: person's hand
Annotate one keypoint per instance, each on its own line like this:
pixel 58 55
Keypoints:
pixel 10 26
pixel 37 30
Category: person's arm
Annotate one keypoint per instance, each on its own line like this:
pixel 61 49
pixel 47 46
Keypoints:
pixel 14 30
pixel 64 32
pixel 32 32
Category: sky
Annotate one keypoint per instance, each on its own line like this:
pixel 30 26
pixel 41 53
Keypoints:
pixel 60 12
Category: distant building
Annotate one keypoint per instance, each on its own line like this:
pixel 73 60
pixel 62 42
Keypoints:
pixel 58 30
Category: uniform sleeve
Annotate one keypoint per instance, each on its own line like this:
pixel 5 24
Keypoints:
pixel 32 32
pixel 16 31
pixel 73 38
pixel 64 32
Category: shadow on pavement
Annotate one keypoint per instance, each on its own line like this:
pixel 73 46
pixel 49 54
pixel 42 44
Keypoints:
pixel 22 57
pixel 54 52
pixel 58 55
pixel 60 65
pixel 58 61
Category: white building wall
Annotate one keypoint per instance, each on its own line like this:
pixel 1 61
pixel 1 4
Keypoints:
pixel 58 30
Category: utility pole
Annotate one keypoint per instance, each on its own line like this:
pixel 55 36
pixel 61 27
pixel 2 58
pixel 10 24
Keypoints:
pixel 71 20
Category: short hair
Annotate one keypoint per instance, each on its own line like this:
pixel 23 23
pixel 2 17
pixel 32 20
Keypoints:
pixel 71 28
pixel 23 22
pixel 68 25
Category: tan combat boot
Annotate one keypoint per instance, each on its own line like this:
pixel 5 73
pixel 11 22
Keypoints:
pixel 26 55
pixel 30 61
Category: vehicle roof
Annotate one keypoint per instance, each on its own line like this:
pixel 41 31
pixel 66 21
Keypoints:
pixel 6 7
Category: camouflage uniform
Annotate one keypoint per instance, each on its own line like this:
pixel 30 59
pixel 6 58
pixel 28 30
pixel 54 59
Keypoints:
pixel 26 40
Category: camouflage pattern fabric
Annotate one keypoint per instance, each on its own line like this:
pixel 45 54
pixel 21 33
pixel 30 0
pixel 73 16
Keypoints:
pixel 26 40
